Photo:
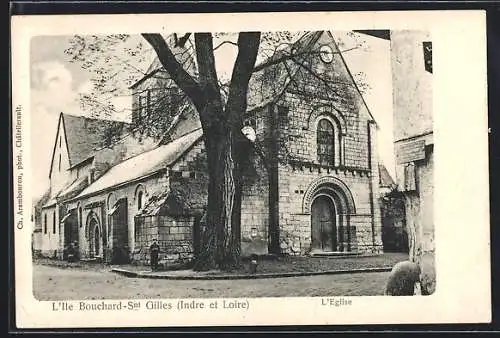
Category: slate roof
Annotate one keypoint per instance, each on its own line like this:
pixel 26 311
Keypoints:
pixel 144 164
pixel 84 135
pixel 69 191
pixel 74 188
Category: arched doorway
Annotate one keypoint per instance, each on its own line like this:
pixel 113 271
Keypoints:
pixel 323 224
pixel 330 205
pixel 94 238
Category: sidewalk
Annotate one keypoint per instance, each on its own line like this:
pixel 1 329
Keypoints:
pixel 284 267
pixel 219 275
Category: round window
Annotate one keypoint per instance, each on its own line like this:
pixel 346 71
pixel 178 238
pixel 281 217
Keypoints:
pixel 326 53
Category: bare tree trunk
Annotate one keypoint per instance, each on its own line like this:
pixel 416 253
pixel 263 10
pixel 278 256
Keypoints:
pixel 220 237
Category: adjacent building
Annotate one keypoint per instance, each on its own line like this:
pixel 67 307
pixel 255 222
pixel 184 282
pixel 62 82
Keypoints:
pixel 411 53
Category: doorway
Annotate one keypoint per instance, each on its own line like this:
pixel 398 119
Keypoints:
pixel 323 224
pixel 95 239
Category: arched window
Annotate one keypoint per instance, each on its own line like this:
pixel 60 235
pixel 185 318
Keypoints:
pixel 139 200
pixel 326 143
pixel 45 223
pixel 54 222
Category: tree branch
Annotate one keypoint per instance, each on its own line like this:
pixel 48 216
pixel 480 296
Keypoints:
pixel 310 71
pixel 223 43
pixel 180 76
pixel 248 47
pixel 291 56
pixel 180 42
pixel 208 78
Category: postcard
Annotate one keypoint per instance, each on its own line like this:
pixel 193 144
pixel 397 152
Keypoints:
pixel 250 169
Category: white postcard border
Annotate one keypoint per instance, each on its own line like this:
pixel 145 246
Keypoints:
pixel 461 175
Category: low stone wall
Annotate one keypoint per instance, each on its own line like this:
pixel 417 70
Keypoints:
pixel 175 238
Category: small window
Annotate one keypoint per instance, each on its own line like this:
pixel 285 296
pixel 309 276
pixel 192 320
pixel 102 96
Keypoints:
pixel 427 45
pixel 326 143
pixel 45 223
pixel 54 222
pixel 80 220
pixel 148 102
pixel 60 138
pixel 59 162
pixel 192 174
pixel 139 200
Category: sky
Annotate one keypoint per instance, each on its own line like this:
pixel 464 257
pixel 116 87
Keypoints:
pixel 56 84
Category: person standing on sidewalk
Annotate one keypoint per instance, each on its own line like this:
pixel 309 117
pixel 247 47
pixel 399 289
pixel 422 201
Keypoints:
pixel 154 250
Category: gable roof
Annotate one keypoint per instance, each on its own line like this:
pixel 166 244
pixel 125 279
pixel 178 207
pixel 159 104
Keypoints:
pixel 84 135
pixel 262 91
pixel 268 84
pixel 144 164
pixel 353 80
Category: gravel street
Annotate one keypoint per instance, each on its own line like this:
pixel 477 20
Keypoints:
pixel 52 283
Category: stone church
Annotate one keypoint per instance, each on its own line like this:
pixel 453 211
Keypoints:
pixel 311 185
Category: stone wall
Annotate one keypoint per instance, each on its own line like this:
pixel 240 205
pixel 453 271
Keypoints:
pixel 49 240
pixel 175 238
pixel 192 178
pixel 351 132
pixel 355 164
pixel 255 208
pixel 295 222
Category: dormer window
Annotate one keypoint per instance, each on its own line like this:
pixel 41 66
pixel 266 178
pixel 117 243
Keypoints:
pixel 326 143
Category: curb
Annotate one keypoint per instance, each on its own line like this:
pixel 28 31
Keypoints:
pixel 132 274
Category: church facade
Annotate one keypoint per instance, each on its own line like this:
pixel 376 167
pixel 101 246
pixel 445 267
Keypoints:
pixel 311 185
